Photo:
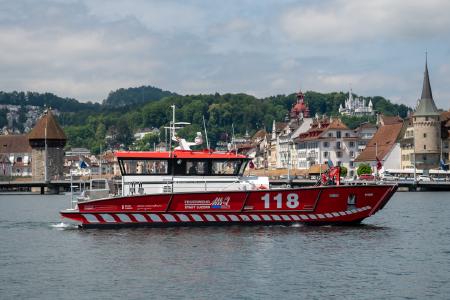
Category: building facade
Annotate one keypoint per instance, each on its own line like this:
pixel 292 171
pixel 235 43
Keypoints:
pixel 356 106
pixel 328 139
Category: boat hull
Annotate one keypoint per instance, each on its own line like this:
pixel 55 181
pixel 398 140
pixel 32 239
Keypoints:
pixel 313 205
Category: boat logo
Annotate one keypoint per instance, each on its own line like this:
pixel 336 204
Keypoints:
pixel 221 203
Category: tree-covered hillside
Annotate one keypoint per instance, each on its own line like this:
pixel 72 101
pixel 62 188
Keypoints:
pixel 135 95
pixel 127 110
pixel 243 111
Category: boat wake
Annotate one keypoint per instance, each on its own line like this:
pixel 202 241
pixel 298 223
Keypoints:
pixel 64 226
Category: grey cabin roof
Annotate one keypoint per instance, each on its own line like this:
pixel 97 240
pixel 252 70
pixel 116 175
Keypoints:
pixel 426 105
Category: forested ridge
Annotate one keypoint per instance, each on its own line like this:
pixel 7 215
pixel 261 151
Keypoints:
pixel 125 111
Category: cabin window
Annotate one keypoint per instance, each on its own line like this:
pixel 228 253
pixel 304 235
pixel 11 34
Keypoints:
pixel 194 167
pixel 226 167
pixel 143 166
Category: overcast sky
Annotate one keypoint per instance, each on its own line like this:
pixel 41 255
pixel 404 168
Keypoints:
pixel 85 49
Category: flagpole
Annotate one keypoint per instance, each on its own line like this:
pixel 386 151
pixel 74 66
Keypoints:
pixel 376 157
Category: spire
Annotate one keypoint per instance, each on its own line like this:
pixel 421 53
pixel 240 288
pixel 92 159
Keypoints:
pixel 426 89
pixel 426 105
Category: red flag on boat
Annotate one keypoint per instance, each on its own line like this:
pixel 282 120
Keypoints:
pixel 379 164
pixel 251 165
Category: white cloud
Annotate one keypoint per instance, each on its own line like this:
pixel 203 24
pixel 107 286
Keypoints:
pixel 343 21
pixel 84 49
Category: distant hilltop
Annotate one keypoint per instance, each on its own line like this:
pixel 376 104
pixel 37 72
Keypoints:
pixel 129 110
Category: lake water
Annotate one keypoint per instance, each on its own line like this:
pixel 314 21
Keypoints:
pixel 403 252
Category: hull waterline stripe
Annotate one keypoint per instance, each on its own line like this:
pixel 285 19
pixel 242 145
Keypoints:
pixel 92 218
pixel 183 217
pixel 222 218
pixel 108 218
pixel 210 218
pixel 155 218
pixel 196 218
pixel 169 218
pixel 139 218
pixel 124 218
pixel 266 218
pixel 233 218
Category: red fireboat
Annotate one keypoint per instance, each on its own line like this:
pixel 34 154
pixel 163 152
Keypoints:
pixel 187 187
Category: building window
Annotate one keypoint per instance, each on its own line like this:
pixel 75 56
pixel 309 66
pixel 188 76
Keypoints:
pixel 424 147
pixel 19 159
pixel 325 144
pixel 424 135
pixel 347 134
pixel 339 163
pixel 424 157
pixel 338 145
pixel 325 154
pixel 352 153
pixel 330 134
pixel 426 118
pixel 352 163
pixel 339 154
pixel 352 144
pixel 338 134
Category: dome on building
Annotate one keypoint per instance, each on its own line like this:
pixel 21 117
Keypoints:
pixel 300 107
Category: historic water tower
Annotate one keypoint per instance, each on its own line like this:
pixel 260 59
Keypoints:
pixel 427 128
pixel 47 140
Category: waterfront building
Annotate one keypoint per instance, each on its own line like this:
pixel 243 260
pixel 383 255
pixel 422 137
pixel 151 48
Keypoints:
pixel 385 144
pixel 365 132
pixel 356 106
pixel 259 152
pixel 47 140
pixel 15 154
pixel 282 149
pixel 328 139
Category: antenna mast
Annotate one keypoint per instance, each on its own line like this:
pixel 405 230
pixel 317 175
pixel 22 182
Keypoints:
pixel 206 133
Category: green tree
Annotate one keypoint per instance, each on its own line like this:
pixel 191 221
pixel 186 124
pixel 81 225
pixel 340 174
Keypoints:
pixel 343 171
pixel 147 142
pixel 364 169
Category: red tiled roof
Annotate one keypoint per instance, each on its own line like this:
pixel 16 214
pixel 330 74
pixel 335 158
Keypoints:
pixel 389 120
pixel 337 124
pixel 54 131
pixel 14 144
pixel 381 143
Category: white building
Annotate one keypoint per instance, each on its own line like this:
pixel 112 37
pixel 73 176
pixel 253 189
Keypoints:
pixel 327 139
pixel 356 106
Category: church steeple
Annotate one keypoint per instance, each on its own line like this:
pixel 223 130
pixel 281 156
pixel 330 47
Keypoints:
pixel 426 88
pixel 426 105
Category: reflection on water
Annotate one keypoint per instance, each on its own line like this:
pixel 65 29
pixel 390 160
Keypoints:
pixel 402 252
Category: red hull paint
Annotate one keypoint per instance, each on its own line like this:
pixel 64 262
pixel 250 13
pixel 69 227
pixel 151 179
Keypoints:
pixel 333 204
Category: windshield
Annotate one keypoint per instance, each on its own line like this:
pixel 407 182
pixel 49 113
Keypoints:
pixel 143 166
